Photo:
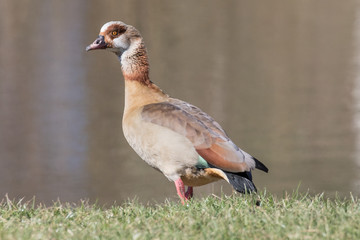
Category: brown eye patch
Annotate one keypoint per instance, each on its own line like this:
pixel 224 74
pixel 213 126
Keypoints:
pixel 116 30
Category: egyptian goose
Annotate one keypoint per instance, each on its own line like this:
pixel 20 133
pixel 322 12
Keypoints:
pixel 184 143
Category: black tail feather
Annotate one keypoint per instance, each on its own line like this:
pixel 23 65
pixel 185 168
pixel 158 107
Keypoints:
pixel 241 182
pixel 260 165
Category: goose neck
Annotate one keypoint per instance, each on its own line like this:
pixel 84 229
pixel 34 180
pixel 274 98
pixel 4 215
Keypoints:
pixel 135 64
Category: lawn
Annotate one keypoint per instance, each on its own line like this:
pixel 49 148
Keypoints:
pixel 262 216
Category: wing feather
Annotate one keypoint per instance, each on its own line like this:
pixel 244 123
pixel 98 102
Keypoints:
pixel 206 135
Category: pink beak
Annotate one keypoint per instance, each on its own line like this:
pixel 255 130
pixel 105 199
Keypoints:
pixel 99 43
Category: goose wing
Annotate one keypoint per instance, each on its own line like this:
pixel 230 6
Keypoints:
pixel 206 135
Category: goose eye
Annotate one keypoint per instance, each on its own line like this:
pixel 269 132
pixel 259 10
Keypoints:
pixel 114 33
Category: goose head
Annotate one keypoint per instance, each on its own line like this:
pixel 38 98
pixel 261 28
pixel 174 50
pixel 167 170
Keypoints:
pixel 116 37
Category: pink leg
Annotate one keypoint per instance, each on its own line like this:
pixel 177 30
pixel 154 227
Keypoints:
pixel 180 188
pixel 189 193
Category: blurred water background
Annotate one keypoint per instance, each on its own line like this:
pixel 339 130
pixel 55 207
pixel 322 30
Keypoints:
pixel 282 77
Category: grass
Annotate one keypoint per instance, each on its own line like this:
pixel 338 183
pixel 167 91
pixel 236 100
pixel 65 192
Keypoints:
pixel 294 216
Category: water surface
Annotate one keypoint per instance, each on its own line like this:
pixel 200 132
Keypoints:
pixel 281 77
